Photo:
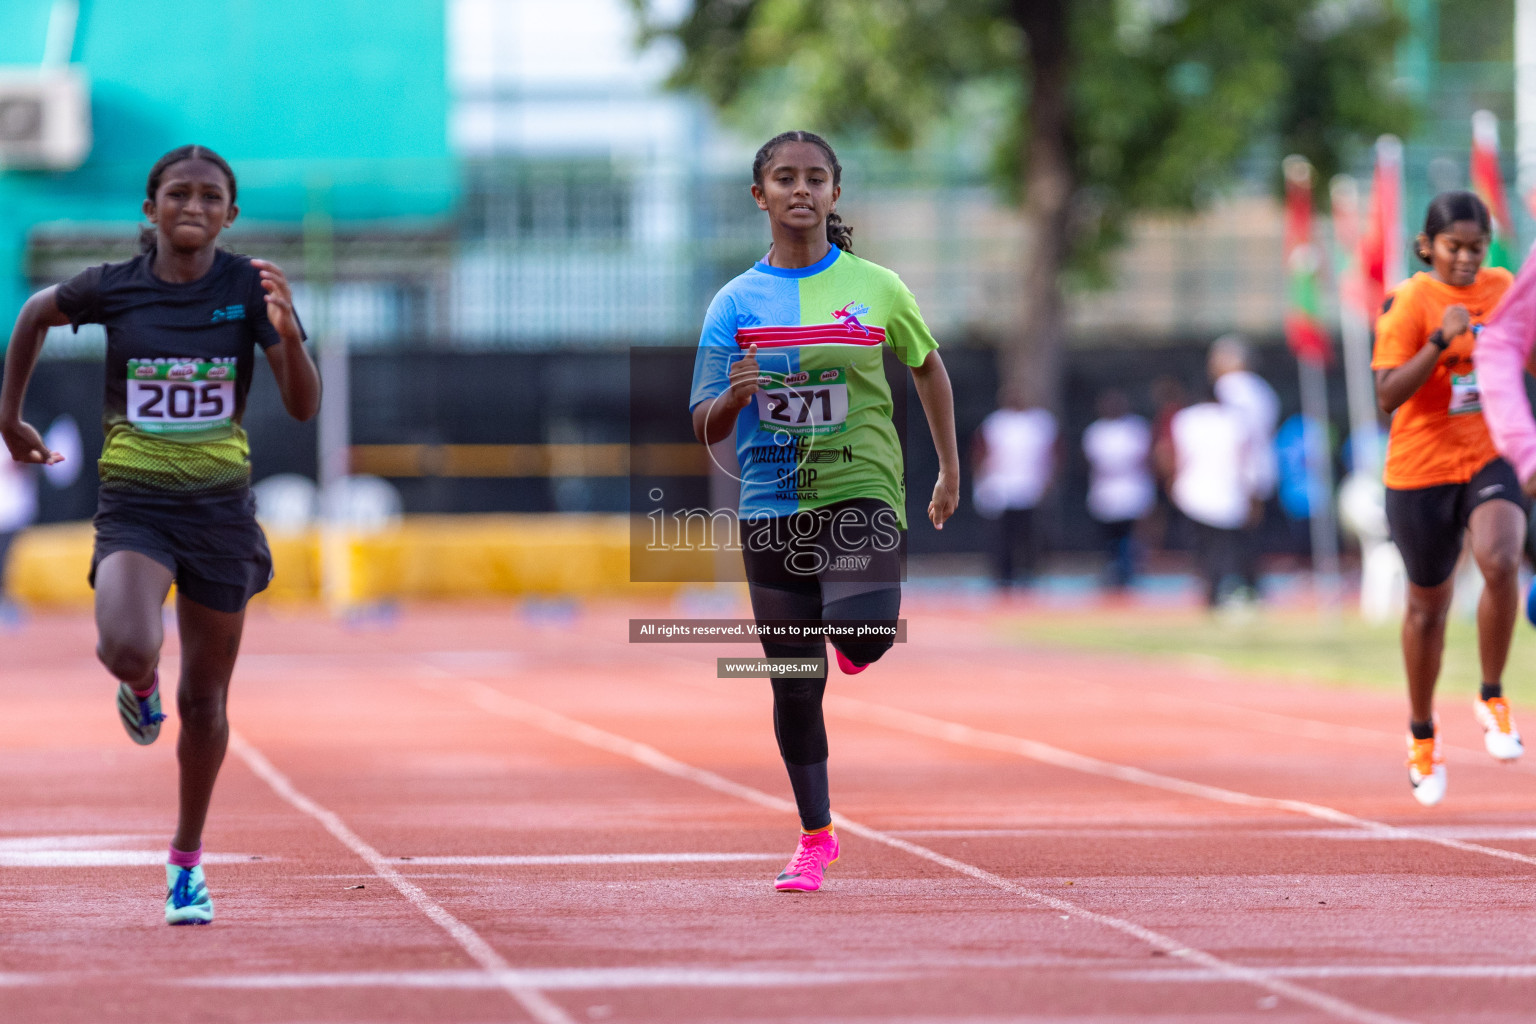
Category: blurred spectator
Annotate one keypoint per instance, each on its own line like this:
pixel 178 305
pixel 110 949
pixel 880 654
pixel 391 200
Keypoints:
pixel 1244 391
pixel 1213 485
pixel 1293 485
pixel 1118 446
pixel 1014 455
pixel 18 507
pixel 1168 527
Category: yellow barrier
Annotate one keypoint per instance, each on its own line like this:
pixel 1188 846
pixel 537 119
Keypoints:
pixel 424 557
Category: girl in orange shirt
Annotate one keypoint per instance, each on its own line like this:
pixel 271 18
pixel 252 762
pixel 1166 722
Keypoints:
pixel 1444 477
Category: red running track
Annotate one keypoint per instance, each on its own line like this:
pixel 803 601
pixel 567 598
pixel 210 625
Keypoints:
pixel 484 816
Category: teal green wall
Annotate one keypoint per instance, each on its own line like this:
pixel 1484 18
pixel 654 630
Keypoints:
pixel 341 99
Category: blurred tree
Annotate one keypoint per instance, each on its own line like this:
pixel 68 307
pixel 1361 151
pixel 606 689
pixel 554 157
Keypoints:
pixel 1114 105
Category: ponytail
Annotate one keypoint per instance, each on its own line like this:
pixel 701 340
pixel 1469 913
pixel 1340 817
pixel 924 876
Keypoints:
pixel 838 233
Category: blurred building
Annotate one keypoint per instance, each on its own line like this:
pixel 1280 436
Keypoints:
pixel 352 137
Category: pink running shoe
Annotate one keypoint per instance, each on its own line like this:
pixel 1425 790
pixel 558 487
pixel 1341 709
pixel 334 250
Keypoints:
pixel 848 667
pixel 812 857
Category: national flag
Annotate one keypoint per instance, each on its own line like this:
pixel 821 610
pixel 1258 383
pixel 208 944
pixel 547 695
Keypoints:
pixel 1381 244
pixel 1345 214
pixel 1304 330
pixel 1488 183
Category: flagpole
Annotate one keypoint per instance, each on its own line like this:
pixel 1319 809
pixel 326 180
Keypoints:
pixel 1324 531
pixel 1389 194
pixel 1309 344
pixel 1364 432
pixel 1525 98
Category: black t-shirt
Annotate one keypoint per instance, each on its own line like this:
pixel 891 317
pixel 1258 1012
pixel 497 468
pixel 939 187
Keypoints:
pixel 179 364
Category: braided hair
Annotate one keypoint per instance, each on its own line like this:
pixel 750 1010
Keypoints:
pixel 838 233
pixel 157 172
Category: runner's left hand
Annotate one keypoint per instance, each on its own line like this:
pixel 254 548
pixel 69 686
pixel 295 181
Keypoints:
pixel 946 498
pixel 279 301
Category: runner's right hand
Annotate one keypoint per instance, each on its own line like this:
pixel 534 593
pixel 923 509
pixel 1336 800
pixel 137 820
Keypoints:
pixel 1455 322
pixel 26 445
pixel 744 378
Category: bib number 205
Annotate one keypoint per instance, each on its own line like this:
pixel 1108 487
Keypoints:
pixel 185 402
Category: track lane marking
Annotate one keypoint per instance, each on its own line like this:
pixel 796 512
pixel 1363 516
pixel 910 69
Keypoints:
pixel 517 860
pixel 559 978
pixel 1510 972
pixel 919 724
pixel 538 1006
pixel 494 701
pixel 110 858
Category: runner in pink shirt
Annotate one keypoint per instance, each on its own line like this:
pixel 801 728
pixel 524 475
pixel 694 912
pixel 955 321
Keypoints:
pixel 1502 357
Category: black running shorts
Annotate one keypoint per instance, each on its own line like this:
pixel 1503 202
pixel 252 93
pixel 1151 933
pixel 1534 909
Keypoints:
pixel 842 549
pixel 1428 522
pixel 210 542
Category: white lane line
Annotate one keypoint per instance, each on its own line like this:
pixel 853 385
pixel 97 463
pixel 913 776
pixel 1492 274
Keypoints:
pixel 534 860
pixel 492 700
pixel 557 978
pixel 983 739
pixel 109 858
pixel 540 1007
pixel 21 844
pixel 1138 832
pixel 1496 971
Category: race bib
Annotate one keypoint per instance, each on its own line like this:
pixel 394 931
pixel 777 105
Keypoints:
pixel 168 397
pixel 808 402
pixel 1464 396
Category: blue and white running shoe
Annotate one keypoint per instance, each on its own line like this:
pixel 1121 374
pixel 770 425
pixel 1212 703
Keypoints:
pixel 187 901
pixel 141 715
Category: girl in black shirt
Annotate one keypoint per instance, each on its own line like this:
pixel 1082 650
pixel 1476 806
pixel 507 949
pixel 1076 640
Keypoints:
pixel 182 319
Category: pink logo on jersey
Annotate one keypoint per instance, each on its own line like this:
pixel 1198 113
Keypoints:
pixel 850 314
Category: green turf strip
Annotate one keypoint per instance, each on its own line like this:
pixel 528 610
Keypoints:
pixel 1341 651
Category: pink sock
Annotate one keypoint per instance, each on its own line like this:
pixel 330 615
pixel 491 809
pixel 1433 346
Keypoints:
pixel 182 859
pixel 154 681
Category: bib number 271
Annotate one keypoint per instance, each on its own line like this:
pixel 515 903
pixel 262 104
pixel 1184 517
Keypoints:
pixel 807 409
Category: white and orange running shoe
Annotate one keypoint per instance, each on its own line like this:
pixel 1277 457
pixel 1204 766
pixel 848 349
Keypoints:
pixel 1500 736
pixel 1426 770
pixel 804 872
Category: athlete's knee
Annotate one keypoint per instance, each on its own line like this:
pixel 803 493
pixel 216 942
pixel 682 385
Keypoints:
pixel 1425 613
pixel 202 714
pixel 800 694
pixel 127 658
pixel 1499 568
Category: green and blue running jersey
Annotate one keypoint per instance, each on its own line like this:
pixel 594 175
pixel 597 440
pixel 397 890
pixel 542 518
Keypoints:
pixel 820 429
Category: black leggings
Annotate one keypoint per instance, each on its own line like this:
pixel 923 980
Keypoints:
pixel 797 720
